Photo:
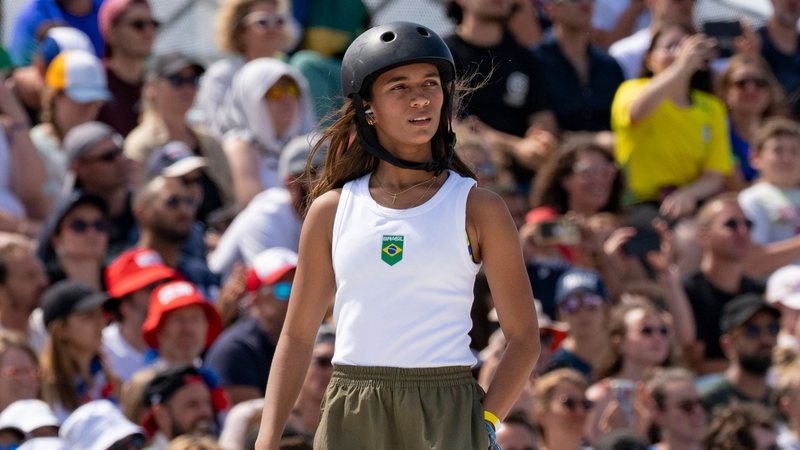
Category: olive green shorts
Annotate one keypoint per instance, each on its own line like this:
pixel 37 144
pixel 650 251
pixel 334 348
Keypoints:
pixel 386 408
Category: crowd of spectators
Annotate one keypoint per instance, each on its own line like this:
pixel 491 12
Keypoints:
pixel 151 207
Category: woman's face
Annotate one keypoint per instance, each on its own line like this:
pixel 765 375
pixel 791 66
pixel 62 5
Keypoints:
pixel 283 102
pixel 407 104
pixel 646 339
pixel 84 330
pixel 68 113
pixel 748 90
pixel 585 313
pixel 683 415
pixel 83 234
pixel 567 411
pixel 19 377
pixel 589 184
pixel 264 30
pixel 174 95
pixel 665 49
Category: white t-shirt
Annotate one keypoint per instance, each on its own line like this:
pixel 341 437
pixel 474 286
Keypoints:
pixel 124 359
pixel 9 202
pixel 268 221
pixel 775 212
pixel 629 52
pixel 404 279
pixel 607 12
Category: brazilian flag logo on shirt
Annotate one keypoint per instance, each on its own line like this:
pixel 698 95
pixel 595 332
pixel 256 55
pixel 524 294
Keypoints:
pixel 392 249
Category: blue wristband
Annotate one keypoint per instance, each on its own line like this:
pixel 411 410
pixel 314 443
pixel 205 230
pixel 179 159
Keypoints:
pixel 492 437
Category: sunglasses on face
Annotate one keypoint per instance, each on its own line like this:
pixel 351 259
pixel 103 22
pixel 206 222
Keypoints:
pixel 265 20
pixel 175 201
pixel 655 331
pixel 690 404
pixel 574 303
pixel 734 224
pixel 82 226
pixel 177 80
pixel 142 24
pixel 595 171
pixel 572 403
pixel 546 338
pixel 108 156
pixel 132 442
pixel 744 82
pixel 280 91
pixel 754 331
pixel 282 290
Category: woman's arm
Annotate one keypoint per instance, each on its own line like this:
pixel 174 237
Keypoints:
pixel 243 161
pixel 490 225
pixel 312 292
pixel 684 201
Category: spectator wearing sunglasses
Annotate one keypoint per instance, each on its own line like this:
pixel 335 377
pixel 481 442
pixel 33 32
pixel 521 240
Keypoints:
pixel 561 409
pixel 641 339
pixel 742 426
pixel 304 417
pixel 166 210
pixel 750 328
pixel 99 168
pixel 582 302
pixel 169 92
pixel 181 324
pixel 247 30
pixel 75 240
pixel 243 354
pixel 269 104
pixel 129 30
pixel 678 415
pixel 773 203
pixel 99 425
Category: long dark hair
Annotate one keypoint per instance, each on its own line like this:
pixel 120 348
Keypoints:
pixel 701 80
pixel 347 160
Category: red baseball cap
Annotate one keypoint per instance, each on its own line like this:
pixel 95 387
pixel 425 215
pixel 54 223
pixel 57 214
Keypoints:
pixel 269 266
pixel 136 269
pixel 172 296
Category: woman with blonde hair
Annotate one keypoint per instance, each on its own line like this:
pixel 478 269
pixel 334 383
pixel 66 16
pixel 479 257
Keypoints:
pixel 73 371
pixel 247 30
pixel 561 410
pixel 751 94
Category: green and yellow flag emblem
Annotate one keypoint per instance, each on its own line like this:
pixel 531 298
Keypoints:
pixel 392 249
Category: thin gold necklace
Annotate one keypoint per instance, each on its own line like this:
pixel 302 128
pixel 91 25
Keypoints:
pixel 398 194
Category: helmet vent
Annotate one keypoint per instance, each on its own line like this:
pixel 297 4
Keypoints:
pixel 423 32
pixel 389 36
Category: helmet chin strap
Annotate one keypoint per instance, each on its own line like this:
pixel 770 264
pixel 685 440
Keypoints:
pixel 369 140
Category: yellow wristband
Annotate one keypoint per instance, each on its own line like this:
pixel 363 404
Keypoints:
pixel 491 418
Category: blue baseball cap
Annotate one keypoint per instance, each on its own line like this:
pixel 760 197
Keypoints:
pixel 579 280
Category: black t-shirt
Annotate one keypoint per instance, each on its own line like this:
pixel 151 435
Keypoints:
pixel 707 302
pixel 580 107
pixel 515 90
pixel 122 112
pixel 785 67
pixel 242 355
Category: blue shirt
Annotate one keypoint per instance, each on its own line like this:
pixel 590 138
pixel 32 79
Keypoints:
pixel 36 13
pixel 579 106
pixel 242 355
pixel 741 151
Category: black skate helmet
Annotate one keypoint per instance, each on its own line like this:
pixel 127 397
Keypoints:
pixel 383 48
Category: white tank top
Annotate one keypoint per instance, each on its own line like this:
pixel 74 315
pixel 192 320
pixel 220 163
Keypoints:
pixel 404 279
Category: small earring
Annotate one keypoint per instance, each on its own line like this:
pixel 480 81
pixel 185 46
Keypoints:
pixel 370 116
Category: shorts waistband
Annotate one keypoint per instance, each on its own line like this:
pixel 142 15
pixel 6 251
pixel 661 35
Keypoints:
pixel 448 376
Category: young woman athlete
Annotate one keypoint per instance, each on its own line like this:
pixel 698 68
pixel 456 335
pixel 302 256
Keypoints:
pixel 395 236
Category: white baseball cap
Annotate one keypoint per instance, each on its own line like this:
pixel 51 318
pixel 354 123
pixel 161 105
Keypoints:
pixel 97 425
pixel 783 287
pixel 80 74
pixel 44 443
pixel 28 415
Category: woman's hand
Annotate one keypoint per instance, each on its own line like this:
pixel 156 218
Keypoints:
pixel 678 204
pixel 694 53
pixel 662 261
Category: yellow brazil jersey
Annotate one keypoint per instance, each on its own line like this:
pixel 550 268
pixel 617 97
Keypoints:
pixel 673 146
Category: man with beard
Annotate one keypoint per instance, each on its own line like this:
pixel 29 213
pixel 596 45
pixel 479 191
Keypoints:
pixel 512 103
pixel 165 209
pixel 22 281
pixel 181 400
pixel 750 330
